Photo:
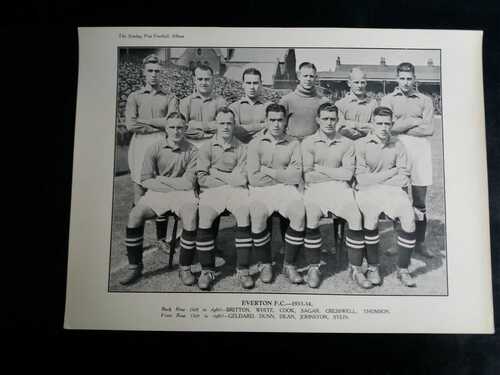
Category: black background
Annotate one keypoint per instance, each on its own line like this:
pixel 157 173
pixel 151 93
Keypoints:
pixel 40 74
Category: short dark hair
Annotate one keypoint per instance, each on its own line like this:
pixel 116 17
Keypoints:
pixel 327 107
pixel 405 67
pixel 275 108
pixel 205 67
pixel 308 65
pixel 382 111
pixel 176 115
pixel 225 110
pixel 251 71
pixel 150 59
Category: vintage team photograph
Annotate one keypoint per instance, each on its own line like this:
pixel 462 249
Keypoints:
pixel 279 170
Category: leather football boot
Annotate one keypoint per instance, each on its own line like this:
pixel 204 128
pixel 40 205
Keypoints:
pixel 358 276
pixel 134 273
pixel 313 276
pixel 245 279
pixel 290 272
pixel 405 278
pixel 266 272
pixel 186 276
pixel 373 275
pixel 205 280
pixel 421 249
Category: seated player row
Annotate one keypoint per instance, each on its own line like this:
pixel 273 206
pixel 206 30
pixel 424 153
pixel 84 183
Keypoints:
pixel 274 167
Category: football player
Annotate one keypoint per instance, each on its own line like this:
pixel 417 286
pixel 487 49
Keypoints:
pixel 355 109
pixel 274 167
pixel 328 162
pixel 223 182
pixel 168 174
pixel 413 123
pixel 145 115
pixel 200 107
pixel 250 111
pixel 382 173
pixel 302 104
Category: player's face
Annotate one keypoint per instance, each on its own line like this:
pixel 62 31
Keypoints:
pixel 203 81
pixel 252 85
pixel 225 125
pixel 357 83
pixel 175 129
pixel 382 126
pixel 152 74
pixel 276 123
pixel 307 78
pixel 327 122
pixel 406 80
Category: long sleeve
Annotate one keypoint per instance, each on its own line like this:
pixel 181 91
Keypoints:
pixel 363 174
pixel 402 124
pixel 239 173
pixel 255 176
pixel 149 173
pixel 293 173
pixel 426 128
pixel 204 163
pixel 310 174
pixel 132 121
pixel 402 178
pixel 187 180
pixel 346 171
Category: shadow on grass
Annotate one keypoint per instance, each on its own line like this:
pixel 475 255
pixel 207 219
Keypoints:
pixel 435 241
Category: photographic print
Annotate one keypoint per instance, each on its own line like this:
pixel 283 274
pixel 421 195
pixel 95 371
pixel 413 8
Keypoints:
pixel 337 254
pixel 222 176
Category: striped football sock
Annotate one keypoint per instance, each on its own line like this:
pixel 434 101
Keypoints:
pixel 354 240
pixel 262 246
pixel 133 241
pixel 243 243
pixel 406 244
pixel 161 227
pixel 372 239
pixel 188 247
pixel 205 246
pixel 294 239
pixel 312 246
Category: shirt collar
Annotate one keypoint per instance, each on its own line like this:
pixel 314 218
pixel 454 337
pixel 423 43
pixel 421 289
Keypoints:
pixel 226 146
pixel 174 147
pixel 398 92
pixel 258 100
pixel 269 138
pixel 353 98
pixel 197 95
pixel 372 138
pixel 148 89
pixel 319 136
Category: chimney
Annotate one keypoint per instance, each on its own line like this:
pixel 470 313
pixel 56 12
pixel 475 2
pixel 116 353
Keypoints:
pixel 382 61
pixel 430 62
pixel 338 61
pixel 230 53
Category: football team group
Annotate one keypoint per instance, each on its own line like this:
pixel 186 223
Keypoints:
pixel 303 158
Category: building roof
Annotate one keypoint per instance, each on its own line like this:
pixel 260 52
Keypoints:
pixel 260 55
pixel 267 69
pixel 176 53
pixel 424 73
